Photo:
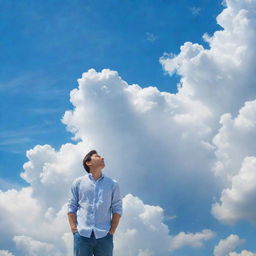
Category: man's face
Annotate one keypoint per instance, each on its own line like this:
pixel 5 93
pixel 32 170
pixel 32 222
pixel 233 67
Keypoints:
pixel 96 161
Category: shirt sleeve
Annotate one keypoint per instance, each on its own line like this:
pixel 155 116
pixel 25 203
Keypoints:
pixel 117 206
pixel 73 200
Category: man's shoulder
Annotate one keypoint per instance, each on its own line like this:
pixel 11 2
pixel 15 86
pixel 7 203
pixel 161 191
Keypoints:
pixel 79 179
pixel 110 180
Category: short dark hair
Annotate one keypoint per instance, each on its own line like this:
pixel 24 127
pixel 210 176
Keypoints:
pixel 88 158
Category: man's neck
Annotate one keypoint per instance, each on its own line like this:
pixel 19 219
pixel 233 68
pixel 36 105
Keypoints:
pixel 96 174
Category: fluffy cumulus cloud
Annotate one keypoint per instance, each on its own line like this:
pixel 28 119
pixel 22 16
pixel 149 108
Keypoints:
pixel 242 253
pixel 237 202
pixel 31 247
pixel 227 245
pixel 5 253
pixel 236 163
pixel 234 141
pixel 191 239
pixel 46 232
pixel 35 230
pixel 152 141
pixel 221 79
pixel 140 131
pixel 35 216
pixel 141 220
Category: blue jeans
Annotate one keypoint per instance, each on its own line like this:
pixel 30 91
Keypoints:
pixel 84 246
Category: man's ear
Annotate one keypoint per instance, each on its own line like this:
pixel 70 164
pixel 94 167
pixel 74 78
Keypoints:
pixel 88 163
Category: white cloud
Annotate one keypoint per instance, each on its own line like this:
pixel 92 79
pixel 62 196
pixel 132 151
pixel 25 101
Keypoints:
pixel 220 77
pixel 143 229
pixel 237 202
pixel 140 224
pixel 50 172
pixel 235 163
pixel 227 245
pixel 151 37
pixel 189 239
pixel 47 231
pixel 31 247
pixel 234 140
pixel 30 223
pixel 242 253
pixel 156 122
pixel 5 253
pixel 195 10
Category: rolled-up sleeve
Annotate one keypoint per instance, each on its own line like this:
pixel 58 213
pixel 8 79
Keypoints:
pixel 117 206
pixel 73 200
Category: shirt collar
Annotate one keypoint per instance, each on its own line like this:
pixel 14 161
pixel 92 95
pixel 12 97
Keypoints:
pixel 91 177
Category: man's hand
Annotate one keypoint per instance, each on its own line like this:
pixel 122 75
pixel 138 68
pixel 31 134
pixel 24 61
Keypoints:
pixel 111 232
pixel 73 229
pixel 115 220
pixel 72 221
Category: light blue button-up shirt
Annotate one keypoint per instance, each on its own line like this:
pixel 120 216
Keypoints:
pixel 94 201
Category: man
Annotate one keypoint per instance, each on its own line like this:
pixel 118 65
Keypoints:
pixel 94 209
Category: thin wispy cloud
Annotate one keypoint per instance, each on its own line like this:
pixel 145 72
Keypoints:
pixel 15 141
pixel 37 84
pixel 151 37
pixel 27 130
pixel 195 10
pixel 5 185
pixel 43 111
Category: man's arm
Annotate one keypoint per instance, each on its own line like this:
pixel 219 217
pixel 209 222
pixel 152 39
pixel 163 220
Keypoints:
pixel 114 223
pixel 72 221
pixel 72 207
pixel 117 208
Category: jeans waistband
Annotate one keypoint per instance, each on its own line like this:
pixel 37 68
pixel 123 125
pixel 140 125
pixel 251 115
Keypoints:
pixel 92 234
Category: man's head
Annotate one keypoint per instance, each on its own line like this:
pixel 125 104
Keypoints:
pixel 93 160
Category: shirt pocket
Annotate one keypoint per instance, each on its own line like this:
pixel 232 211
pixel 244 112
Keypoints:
pixel 83 209
pixel 105 197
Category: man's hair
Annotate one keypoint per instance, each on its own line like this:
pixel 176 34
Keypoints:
pixel 88 158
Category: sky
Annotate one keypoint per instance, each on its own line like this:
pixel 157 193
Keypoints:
pixel 47 45
pixel 164 90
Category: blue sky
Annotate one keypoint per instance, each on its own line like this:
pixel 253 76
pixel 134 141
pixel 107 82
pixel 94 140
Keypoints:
pixel 47 45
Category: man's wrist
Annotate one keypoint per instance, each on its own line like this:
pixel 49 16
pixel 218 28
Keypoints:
pixel 73 228
pixel 111 231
